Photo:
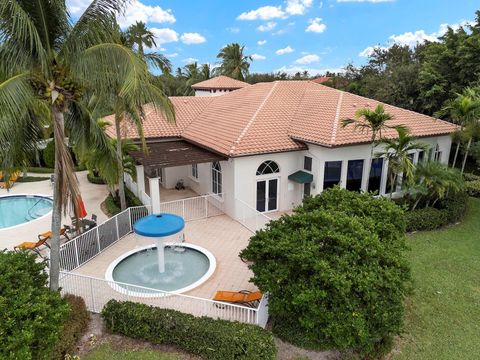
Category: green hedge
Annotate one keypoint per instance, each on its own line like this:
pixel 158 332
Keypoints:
pixel 28 179
pixel 49 154
pixel 74 327
pixel 206 337
pixel 95 179
pixel 40 170
pixel 448 211
pixel 31 315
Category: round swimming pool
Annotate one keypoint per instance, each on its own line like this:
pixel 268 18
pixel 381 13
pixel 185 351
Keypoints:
pixel 186 267
pixel 19 209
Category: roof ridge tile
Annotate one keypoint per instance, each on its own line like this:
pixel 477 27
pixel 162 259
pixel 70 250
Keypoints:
pixel 337 117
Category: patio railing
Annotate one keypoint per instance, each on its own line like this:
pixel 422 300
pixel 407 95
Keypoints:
pixel 86 246
pixel 249 217
pixel 97 292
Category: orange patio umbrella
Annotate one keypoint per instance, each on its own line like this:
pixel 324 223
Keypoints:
pixel 81 211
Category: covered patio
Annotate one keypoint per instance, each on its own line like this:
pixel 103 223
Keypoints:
pixel 166 164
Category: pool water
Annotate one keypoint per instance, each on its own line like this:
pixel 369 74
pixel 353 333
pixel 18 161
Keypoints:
pixel 181 269
pixel 15 210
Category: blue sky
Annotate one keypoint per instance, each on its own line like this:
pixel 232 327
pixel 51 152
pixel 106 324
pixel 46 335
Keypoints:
pixel 291 35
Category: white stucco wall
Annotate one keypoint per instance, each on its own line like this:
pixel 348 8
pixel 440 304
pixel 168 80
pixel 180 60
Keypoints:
pixel 213 92
pixel 240 179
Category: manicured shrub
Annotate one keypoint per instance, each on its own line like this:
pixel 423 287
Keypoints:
pixel 40 170
pixel 31 316
pixel 206 337
pixel 446 211
pixel 49 154
pixel 74 327
pixel 25 179
pixel 336 271
pixel 473 188
pixel 95 179
pixel 112 204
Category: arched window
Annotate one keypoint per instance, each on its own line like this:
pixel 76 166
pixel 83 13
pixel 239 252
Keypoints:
pixel 268 167
pixel 216 178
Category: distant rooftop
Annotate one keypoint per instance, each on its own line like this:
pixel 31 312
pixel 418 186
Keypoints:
pixel 321 79
pixel 220 82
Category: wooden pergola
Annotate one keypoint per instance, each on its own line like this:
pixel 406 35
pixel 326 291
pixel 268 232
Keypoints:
pixel 164 154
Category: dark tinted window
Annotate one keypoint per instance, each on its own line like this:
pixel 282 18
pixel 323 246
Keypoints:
pixel 307 163
pixel 354 175
pixel 333 173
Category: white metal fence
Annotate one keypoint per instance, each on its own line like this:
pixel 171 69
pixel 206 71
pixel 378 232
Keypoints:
pixel 97 292
pixel 249 217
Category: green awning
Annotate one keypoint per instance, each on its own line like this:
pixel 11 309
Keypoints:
pixel 301 177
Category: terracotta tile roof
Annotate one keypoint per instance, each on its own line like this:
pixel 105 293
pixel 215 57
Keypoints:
pixel 220 82
pixel 277 116
pixel 323 109
pixel 187 108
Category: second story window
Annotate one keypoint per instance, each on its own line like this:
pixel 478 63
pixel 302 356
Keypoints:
pixel 195 171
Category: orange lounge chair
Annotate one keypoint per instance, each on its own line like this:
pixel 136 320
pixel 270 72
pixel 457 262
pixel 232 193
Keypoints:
pixel 48 234
pixel 243 297
pixel 8 184
pixel 34 246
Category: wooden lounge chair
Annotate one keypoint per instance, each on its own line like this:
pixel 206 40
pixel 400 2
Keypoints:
pixel 243 297
pixel 34 246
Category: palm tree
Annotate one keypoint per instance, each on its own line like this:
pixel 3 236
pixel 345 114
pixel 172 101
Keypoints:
pixel 49 66
pixel 398 154
pixel 234 62
pixel 372 121
pixel 433 181
pixel 465 111
pixel 139 35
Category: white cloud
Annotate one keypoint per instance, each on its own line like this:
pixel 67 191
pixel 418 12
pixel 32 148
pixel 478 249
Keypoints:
pixel 292 70
pixel 298 7
pixel 267 27
pixel 292 7
pixel 136 11
pixel 263 13
pixel 77 7
pixel 411 39
pixel 316 26
pixel 258 57
pixel 261 42
pixel 233 30
pixel 189 60
pixel 192 38
pixel 173 55
pixel 165 35
pixel 308 59
pixel 284 51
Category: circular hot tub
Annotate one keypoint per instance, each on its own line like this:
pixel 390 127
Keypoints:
pixel 186 267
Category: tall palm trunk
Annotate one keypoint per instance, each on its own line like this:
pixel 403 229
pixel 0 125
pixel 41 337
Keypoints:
pixel 456 155
pixel 121 185
pixel 58 131
pixel 466 154
pixel 369 165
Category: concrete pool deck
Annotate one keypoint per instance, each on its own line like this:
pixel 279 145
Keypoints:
pixel 92 194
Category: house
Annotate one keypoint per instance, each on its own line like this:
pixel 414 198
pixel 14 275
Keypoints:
pixel 321 79
pixel 266 146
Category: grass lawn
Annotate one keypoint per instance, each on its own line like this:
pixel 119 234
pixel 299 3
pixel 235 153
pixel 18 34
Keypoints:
pixel 443 314
pixel 105 352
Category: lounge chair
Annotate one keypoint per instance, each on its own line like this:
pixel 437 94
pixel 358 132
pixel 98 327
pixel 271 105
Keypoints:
pixel 34 246
pixel 243 297
pixel 8 184
pixel 48 234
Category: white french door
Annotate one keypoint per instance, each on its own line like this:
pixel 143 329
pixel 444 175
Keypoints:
pixel 267 195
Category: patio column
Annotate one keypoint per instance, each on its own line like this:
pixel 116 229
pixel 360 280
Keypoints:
pixel 155 194
pixel 140 179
